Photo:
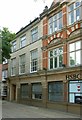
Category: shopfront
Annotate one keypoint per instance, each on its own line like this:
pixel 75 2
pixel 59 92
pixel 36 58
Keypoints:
pixel 74 88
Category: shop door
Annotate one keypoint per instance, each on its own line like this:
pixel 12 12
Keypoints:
pixel 14 92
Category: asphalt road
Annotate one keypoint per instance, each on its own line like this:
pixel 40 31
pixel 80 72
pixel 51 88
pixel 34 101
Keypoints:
pixel 15 110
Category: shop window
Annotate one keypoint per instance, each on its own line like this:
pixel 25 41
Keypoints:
pixel 36 91
pixel 24 90
pixel 55 91
pixel 75 91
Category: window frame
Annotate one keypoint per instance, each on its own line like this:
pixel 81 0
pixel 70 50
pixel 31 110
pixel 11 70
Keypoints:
pixel 53 57
pixel 58 17
pixel 38 92
pixel 34 34
pixel 52 92
pixel 26 91
pixel 22 65
pixel 23 41
pixel 13 66
pixel 75 51
pixel 34 61
pixel 14 46
pixel 74 12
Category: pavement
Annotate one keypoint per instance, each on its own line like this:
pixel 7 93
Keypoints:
pixel 15 110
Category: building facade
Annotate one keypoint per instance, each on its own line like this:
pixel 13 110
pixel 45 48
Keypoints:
pixel 4 80
pixel 45 68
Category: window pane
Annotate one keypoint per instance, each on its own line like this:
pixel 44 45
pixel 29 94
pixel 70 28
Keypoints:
pixel 51 63
pixel 72 58
pixel 60 60
pixel 55 62
pixel 51 53
pixel 78 45
pixel 78 14
pixel 71 7
pixel 71 47
pixel 78 57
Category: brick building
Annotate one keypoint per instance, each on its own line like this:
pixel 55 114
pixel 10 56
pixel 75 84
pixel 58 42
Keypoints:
pixel 45 68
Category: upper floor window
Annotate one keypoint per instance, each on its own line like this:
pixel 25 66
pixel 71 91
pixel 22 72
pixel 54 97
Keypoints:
pixel 74 12
pixel 75 53
pixel 22 41
pixel 22 64
pixel 55 23
pixel 13 46
pixel 4 74
pixel 13 66
pixel 34 34
pixel 56 58
pixel 5 61
pixel 34 60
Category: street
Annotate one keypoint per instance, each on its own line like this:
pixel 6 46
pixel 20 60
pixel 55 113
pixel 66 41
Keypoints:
pixel 15 110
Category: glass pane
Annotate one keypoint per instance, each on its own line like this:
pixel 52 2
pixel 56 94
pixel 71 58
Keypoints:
pixel 77 14
pixel 51 53
pixel 60 23
pixel 71 7
pixel 71 47
pixel 61 50
pixel 72 17
pixel 55 62
pixel 78 57
pixel 72 58
pixel 55 52
pixel 60 60
pixel 51 63
pixel 78 45
pixel 77 4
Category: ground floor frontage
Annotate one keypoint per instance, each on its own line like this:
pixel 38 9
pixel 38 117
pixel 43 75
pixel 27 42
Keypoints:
pixel 58 89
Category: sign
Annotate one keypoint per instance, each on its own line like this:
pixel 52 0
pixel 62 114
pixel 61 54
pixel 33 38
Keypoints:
pixel 73 76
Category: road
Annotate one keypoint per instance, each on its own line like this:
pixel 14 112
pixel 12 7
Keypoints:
pixel 15 110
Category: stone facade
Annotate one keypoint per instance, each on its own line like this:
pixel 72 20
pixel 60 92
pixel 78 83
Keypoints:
pixel 51 85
